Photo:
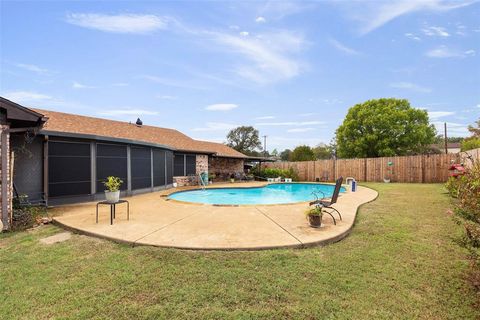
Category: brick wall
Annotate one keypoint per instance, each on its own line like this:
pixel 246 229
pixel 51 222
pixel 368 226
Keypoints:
pixel 5 216
pixel 224 167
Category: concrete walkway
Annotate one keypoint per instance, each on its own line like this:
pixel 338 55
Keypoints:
pixel 159 222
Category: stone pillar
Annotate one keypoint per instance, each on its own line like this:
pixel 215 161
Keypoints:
pixel 202 163
pixel 5 185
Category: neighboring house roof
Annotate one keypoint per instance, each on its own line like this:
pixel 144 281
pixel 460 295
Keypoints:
pixel 61 122
pixel 450 145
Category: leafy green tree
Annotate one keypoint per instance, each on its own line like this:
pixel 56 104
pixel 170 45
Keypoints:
pixel 244 139
pixel 274 153
pixel 302 153
pixel 475 131
pixel 384 127
pixel 322 151
pixel 472 142
pixel 285 154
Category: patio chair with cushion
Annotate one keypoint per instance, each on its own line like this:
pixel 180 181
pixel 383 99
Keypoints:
pixel 326 203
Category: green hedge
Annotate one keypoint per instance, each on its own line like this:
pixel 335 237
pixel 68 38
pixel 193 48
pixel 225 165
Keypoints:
pixel 275 173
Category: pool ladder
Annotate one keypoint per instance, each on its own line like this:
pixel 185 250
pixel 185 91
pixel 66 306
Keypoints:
pixel 201 179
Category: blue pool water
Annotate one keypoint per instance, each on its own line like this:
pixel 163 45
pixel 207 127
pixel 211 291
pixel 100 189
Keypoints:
pixel 279 193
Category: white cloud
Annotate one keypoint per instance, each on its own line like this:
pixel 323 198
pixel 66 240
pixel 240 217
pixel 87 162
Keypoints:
pixel 77 85
pixel 260 20
pixel 33 68
pixel 435 31
pixel 128 112
pixel 122 23
pixel 216 126
pixel 269 57
pixel 264 118
pixel 26 96
pixel 434 115
pixel 167 97
pixel 291 123
pixel 341 47
pixel 300 130
pixel 375 14
pixel 412 36
pixel 410 86
pixel 445 52
pixel 453 129
pixel 244 33
pixel 221 107
pixel 308 114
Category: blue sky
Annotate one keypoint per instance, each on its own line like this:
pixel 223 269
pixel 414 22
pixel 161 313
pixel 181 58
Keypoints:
pixel 291 69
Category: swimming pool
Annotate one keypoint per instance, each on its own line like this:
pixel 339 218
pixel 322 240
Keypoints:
pixel 278 193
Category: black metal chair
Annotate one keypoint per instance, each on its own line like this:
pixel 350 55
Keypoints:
pixel 326 203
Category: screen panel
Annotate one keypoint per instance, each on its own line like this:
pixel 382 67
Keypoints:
pixel 111 161
pixel 179 165
pixel 141 167
pixel 190 164
pixel 69 169
pixel 169 155
pixel 159 167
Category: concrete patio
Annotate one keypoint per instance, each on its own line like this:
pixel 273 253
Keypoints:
pixel 156 221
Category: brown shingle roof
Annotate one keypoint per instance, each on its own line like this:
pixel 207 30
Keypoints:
pixel 76 124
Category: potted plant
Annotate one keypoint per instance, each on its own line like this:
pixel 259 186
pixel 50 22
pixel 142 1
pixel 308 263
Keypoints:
pixel 112 194
pixel 314 216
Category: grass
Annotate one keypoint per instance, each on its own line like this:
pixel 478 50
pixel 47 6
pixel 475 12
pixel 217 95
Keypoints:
pixel 400 262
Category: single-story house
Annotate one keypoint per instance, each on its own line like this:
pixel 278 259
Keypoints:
pixel 64 158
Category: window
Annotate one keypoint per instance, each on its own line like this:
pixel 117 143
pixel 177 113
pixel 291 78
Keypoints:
pixel 185 164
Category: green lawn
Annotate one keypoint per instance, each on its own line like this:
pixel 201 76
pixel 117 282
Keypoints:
pixel 400 262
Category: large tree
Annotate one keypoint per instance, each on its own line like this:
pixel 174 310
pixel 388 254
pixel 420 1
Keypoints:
pixel 384 127
pixel 244 139
pixel 302 153
pixel 322 151
pixel 285 154
pixel 472 142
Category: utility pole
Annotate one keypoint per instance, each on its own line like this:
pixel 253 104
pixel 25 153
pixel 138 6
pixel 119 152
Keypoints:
pixel 445 135
pixel 265 146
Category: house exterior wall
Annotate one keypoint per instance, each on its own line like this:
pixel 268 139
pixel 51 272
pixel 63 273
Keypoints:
pixel 222 168
pixel 6 185
pixel 201 166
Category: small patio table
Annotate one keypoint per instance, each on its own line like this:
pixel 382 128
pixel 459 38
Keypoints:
pixel 112 209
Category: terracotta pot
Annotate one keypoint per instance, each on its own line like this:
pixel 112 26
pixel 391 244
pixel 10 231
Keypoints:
pixel 112 197
pixel 315 221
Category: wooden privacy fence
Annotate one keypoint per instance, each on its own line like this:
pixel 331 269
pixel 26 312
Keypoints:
pixel 422 168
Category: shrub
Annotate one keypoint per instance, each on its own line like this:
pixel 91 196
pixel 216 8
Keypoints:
pixel 467 212
pixel 24 215
pixel 275 173
pixel 470 143
pixel 453 185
